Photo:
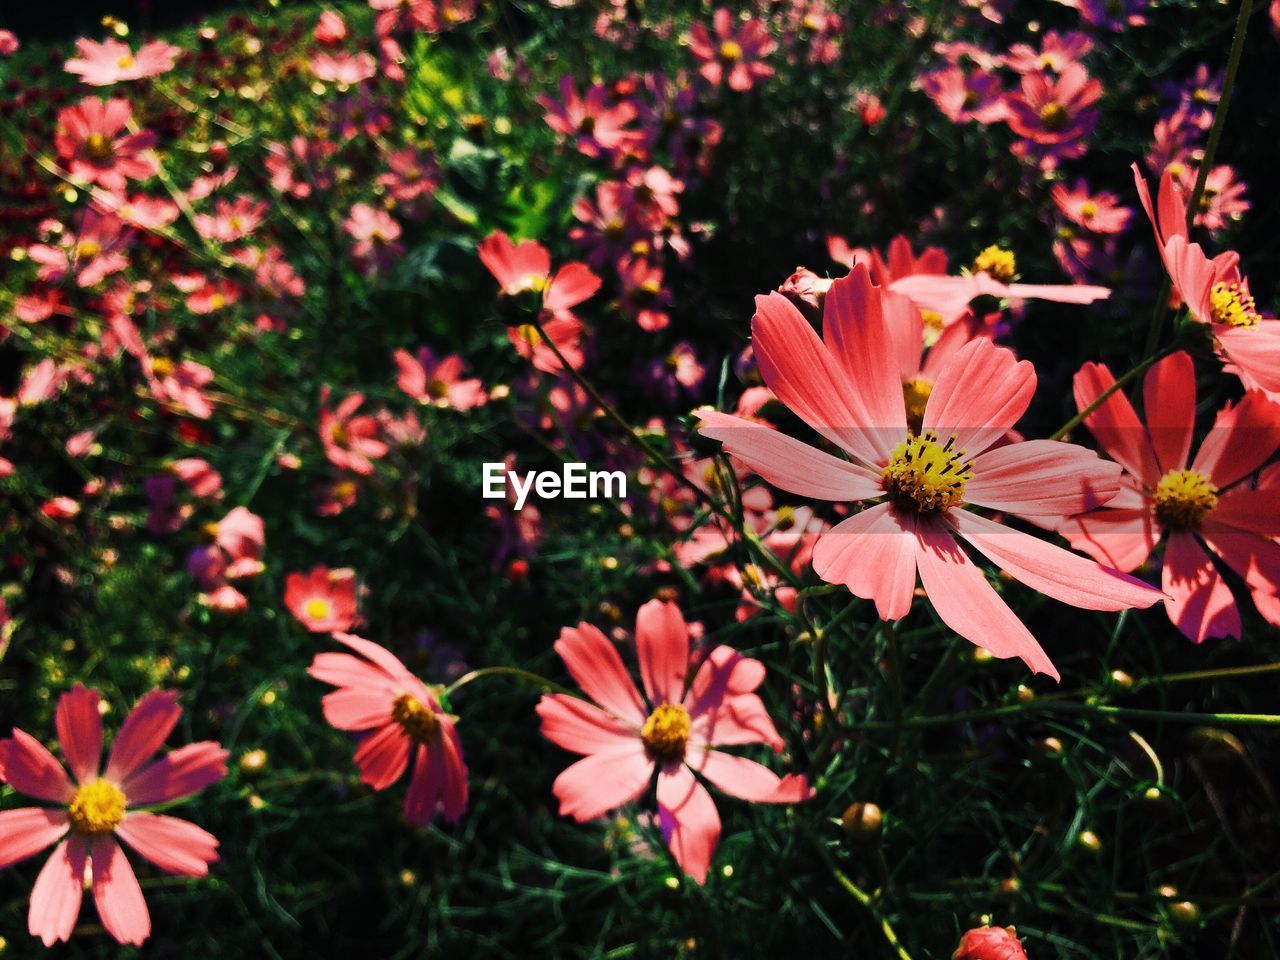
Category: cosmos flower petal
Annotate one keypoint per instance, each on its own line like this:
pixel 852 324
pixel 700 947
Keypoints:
pixel 121 906
pixel 144 732
pixel 1243 437
pixel 1115 423
pixel 58 891
pixel 689 821
pixel 1046 480
pixel 1122 539
pixel 173 845
pixel 748 780
pixel 979 395
pixel 594 663
pixel 873 554
pixel 1200 603
pixel 1169 403
pixel 27 831
pixel 601 782
pixel 662 647
pixel 32 770
pixel 581 727
pixel 79 726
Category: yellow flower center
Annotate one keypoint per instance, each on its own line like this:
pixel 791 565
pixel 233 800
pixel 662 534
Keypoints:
pixel 344 490
pixel 666 732
pixel 925 475
pixel 970 99
pixel 318 608
pixel 414 717
pixel 339 433
pixel 98 147
pixel 126 62
pixel 162 366
pixel 996 261
pixel 217 302
pixel 1054 116
pixel 730 50
pixel 1088 210
pixel 1232 304
pixel 88 249
pixel 438 389
pixel 97 807
pixel 533 281
pixel 1184 498
pixel 933 326
pixel 916 392
pixel 1201 95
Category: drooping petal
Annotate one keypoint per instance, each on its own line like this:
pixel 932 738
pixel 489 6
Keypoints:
pixel 453 800
pixel 600 782
pixel 56 896
pixel 1241 440
pixel 1169 402
pixel 425 786
pixel 581 727
pixel 800 370
pixel 79 726
pixel 855 332
pixel 1121 539
pixel 173 845
pixel 383 756
pixel 143 733
pixel 1200 603
pixel 873 554
pixel 788 463
pixel 1115 423
pixel 689 821
pixel 594 663
pixel 185 771
pixel 1044 480
pixel 969 605
pixel 748 780
pixel 662 647
pixel 1051 570
pixel 121 906
pixel 31 769
pixel 27 831
pixel 979 395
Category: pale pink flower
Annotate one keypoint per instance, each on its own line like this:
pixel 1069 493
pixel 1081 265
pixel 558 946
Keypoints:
pixel 102 64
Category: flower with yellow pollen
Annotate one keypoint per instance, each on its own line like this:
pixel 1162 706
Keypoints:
pixel 126 62
pixel 416 719
pixel 97 807
pixel 666 732
pixel 933 326
pixel 87 249
pixel 916 392
pixel 925 475
pixel 997 262
pixel 1054 116
pixel 318 608
pixel 731 51
pixel 98 147
pixel 1184 498
pixel 1233 304
pixel 1088 210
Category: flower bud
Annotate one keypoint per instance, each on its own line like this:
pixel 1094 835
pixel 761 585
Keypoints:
pixel 990 943
pixel 863 823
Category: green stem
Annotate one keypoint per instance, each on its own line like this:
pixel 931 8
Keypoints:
pixel 865 899
pixel 516 672
pixel 1060 706
pixel 1102 398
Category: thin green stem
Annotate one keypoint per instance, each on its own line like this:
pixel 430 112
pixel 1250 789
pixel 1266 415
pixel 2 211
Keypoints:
pixel 869 904
pixel 1102 398
pixel 515 672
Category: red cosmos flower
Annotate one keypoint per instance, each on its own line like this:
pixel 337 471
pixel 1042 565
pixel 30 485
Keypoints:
pixel 98 249
pixel 735 54
pixel 991 272
pixel 1056 53
pixel 1222 201
pixel 1095 212
pixel 8 43
pixel 676 730
pixel 101 806
pixel 1055 114
pixel 233 220
pixel 180 384
pixel 990 943
pixel 962 97
pixel 102 64
pixel 847 388
pixel 526 266
pixel 350 442
pixel 89 141
pixel 438 382
pixel 1211 501
pixel 1214 291
pixel 330 29
pixel 323 600
pixel 595 127
pixel 395 714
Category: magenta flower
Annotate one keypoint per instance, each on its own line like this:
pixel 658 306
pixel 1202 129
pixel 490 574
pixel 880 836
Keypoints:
pixel 438 382
pixel 733 54
pixel 595 126
pixel 92 142
pixel 963 97
pixel 676 729
pixel 93 807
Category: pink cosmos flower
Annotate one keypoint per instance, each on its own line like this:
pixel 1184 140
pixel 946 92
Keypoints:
pixel 91 141
pixel 1095 212
pixel 233 220
pixel 1054 115
pixel 377 237
pixel 439 382
pixel 1214 291
pixel 344 69
pixel 735 53
pixel 1222 202
pixel 92 253
pixel 8 43
pixel 676 729
pixel 525 267
pixel 962 97
pixel 990 943
pixel 411 180
pixel 395 715
pixel 1208 502
pixel 643 296
pixel 992 270
pixel 95 807
pixel 102 64
pixel 1057 52
pixel 596 127
pixel 330 29
pixel 846 386
pixel 350 442
pixel 179 384
pixel 323 600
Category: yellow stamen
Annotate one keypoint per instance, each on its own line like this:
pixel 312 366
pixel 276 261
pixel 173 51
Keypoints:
pixel 97 807
pixel 730 50
pixel 125 62
pixel 98 147
pixel 88 249
pixel 162 366
pixel 1088 210
pixel 339 433
pixel 932 326
pixel 416 719
pixel 318 608
pixel 1184 498
pixel 666 732
pixel 1232 304
pixel 996 261
pixel 1054 116
pixel 916 392
pixel 925 475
